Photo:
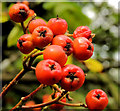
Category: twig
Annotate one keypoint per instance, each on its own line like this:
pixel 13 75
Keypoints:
pixel 55 86
pixel 33 17
pixel 18 76
pixel 44 104
pixel 32 58
pixel 22 24
pixel 13 82
pixel 73 105
pixel 69 35
pixel 27 97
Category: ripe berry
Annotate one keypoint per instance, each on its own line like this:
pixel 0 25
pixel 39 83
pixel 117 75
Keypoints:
pixel 82 48
pixel 57 25
pixel 19 12
pixel 73 77
pixel 48 72
pixel 96 99
pixel 25 44
pixel 42 36
pixel 82 31
pixel 35 23
pixel 65 42
pixel 55 53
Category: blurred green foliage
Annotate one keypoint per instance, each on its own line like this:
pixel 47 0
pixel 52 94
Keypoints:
pixel 103 21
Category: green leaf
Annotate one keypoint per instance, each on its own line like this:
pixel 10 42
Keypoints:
pixel 13 36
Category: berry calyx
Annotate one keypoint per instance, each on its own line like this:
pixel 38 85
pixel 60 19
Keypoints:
pixel 55 53
pixel 48 72
pixel 82 48
pixel 73 77
pixel 96 99
pixel 65 42
pixel 19 12
pixel 42 36
pixel 57 25
pixel 25 44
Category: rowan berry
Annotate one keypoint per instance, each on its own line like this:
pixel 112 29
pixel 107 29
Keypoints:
pixel 25 44
pixel 82 31
pixel 96 99
pixel 48 72
pixel 42 36
pixel 82 48
pixel 57 25
pixel 55 53
pixel 65 42
pixel 35 23
pixel 19 12
pixel 73 77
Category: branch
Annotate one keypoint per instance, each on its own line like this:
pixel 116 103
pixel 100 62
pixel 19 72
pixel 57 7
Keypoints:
pixel 44 104
pixel 73 105
pixel 13 82
pixel 18 76
pixel 33 17
pixel 28 96
pixel 22 24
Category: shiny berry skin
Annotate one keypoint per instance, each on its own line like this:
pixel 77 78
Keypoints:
pixel 48 72
pixel 82 31
pixel 82 48
pixel 55 53
pixel 57 25
pixel 96 99
pixel 19 12
pixel 25 44
pixel 42 36
pixel 65 42
pixel 35 23
pixel 73 77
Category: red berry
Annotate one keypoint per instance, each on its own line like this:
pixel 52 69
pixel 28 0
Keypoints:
pixel 82 31
pixel 96 99
pixel 82 48
pixel 55 53
pixel 31 13
pixel 65 42
pixel 57 106
pixel 25 44
pixel 48 72
pixel 57 25
pixel 19 12
pixel 42 36
pixel 35 23
pixel 73 77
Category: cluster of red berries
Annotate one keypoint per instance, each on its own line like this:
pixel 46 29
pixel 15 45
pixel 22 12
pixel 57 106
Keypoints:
pixel 52 38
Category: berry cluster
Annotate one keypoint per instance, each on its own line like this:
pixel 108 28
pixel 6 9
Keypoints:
pixel 53 38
